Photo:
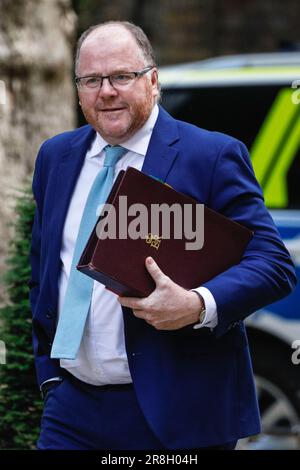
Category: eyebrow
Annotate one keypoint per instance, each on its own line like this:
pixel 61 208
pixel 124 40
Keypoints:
pixel 115 72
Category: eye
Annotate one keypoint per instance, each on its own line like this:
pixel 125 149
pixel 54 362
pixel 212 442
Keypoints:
pixel 122 78
pixel 91 82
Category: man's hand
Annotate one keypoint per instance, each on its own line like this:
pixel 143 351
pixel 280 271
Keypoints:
pixel 169 306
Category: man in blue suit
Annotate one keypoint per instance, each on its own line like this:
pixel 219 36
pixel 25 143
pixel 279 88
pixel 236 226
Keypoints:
pixel 170 371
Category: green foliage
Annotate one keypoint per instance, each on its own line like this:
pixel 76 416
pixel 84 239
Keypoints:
pixel 20 402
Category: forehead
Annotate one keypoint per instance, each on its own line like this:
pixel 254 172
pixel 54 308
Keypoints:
pixel 110 47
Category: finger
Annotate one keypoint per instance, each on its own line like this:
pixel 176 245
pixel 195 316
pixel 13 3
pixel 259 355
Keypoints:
pixel 141 314
pixel 154 270
pixel 144 316
pixel 131 302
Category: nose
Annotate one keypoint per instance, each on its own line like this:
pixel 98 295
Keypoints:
pixel 106 89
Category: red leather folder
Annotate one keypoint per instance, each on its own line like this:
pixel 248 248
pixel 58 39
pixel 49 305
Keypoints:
pixel 119 263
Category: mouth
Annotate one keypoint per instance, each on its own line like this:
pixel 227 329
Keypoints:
pixel 111 110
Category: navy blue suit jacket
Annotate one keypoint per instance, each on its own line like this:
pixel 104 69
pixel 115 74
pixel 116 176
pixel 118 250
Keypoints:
pixel 195 387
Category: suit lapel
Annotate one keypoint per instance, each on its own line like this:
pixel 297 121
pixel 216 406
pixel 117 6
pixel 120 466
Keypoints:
pixel 63 182
pixel 68 172
pixel 161 153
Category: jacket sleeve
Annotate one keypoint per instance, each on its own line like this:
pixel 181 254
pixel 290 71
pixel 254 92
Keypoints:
pixel 46 368
pixel 266 272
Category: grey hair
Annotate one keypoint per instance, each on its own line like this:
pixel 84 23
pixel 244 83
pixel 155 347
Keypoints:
pixel 137 33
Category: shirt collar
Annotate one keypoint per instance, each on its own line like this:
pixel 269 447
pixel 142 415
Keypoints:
pixel 138 143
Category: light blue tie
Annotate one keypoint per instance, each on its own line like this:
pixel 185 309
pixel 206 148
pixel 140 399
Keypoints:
pixel 80 287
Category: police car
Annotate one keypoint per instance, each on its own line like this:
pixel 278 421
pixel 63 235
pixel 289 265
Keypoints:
pixel 256 98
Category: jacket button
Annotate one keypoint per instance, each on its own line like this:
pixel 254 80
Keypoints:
pixel 50 314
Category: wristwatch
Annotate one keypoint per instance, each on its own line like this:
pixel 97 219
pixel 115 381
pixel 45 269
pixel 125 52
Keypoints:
pixel 202 313
pixel 201 318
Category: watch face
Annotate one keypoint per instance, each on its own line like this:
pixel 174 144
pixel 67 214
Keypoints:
pixel 202 316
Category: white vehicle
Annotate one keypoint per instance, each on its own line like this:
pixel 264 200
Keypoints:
pixel 256 98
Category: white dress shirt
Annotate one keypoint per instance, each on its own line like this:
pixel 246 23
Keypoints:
pixel 102 357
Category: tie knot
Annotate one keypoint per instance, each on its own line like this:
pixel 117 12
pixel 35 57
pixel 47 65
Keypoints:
pixel 113 154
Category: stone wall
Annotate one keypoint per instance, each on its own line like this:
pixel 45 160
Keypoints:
pixel 36 91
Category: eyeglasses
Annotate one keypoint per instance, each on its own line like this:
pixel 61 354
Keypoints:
pixel 116 80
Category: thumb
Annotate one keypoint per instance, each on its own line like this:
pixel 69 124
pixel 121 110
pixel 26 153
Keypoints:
pixel 154 270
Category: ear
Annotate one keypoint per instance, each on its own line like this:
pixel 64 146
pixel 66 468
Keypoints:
pixel 154 77
pixel 155 83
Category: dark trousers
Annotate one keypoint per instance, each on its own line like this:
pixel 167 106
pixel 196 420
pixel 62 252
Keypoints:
pixel 78 416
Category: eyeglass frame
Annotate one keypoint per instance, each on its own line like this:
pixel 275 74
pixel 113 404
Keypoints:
pixel 102 77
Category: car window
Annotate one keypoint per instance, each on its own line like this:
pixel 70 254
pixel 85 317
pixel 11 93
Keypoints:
pixel 263 117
